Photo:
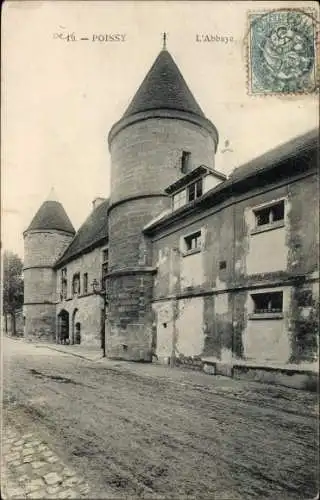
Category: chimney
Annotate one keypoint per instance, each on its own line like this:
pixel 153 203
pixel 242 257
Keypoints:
pixel 97 201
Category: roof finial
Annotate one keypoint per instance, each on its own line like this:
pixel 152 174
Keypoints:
pixel 164 37
pixel 52 195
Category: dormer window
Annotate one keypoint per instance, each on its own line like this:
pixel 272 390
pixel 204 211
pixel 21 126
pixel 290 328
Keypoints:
pixel 179 199
pixel 195 190
pixel 190 193
pixel 193 185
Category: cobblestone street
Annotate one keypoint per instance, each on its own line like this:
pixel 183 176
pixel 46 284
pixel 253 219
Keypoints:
pixel 104 429
pixel 30 469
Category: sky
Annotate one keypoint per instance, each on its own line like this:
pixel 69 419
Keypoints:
pixel 60 98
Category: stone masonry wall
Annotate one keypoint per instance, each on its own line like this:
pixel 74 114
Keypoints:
pixel 40 322
pixel 127 243
pixel 146 156
pixel 44 247
pixel 130 317
pixel 39 285
pixel 41 249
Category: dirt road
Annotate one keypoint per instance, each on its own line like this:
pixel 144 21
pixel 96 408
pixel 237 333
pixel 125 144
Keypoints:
pixel 155 434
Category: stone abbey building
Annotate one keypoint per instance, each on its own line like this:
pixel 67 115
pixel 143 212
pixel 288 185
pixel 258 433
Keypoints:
pixel 187 262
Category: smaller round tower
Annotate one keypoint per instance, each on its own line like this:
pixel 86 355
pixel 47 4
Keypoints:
pixel 45 240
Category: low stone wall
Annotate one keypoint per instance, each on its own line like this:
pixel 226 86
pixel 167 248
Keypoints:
pixel 293 376
pixel 305 380
pixel 191 362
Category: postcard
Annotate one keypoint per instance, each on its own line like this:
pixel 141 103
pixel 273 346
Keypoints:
pixel 160 249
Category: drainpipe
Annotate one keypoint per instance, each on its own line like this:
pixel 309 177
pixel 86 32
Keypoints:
pixel 175 255
pixel 233 272
pixel 103 340
pixel 99 290
pixel 174 333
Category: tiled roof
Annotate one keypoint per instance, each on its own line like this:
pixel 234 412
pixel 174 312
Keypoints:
pixel 192 175
pixel 287 159
pixel 51 215
pixel 94 231
pixel 164 88
pixel 281 153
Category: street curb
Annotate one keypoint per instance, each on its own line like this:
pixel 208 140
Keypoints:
pixel 69 352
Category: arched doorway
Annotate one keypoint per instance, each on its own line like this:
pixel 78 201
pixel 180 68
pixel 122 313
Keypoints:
pixel 63 327
pixel 76 328
pixel 77 339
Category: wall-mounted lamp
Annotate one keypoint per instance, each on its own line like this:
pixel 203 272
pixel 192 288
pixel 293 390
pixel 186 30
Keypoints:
pixel 98 290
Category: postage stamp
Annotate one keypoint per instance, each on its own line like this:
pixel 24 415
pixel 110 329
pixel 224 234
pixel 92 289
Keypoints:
pixel 281 52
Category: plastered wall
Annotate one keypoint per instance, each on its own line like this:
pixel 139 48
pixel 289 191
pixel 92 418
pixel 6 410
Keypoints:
pixel 87 311
pixel 189 326
pixel 85 308
pixel 268 340
pixel 232 265
pixel 90 263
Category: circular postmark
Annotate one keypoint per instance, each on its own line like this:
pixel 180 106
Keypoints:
pixel 282 55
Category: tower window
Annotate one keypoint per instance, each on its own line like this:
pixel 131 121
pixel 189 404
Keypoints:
pixel 185 161
pixel 85 283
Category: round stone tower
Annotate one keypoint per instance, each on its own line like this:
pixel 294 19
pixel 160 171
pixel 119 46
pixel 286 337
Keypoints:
pixel 162 123
pixel 46 238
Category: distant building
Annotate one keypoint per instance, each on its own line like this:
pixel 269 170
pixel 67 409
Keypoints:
pixel 195 265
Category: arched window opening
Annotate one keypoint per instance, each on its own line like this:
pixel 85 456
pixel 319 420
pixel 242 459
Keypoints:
pixel 76 284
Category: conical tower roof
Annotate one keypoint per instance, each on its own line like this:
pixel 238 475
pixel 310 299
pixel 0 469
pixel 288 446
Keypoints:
pixel 51 215
pixel 164 88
